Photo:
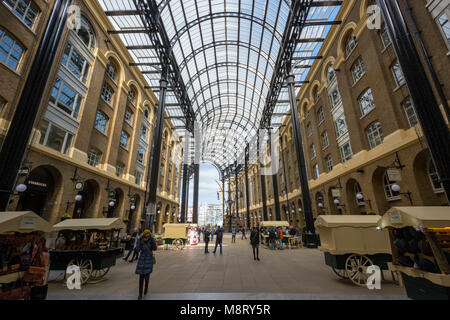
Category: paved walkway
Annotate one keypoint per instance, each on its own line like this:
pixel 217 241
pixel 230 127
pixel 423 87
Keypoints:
pixel 192 274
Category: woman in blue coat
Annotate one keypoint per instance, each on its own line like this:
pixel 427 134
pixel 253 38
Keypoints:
pixel 144 267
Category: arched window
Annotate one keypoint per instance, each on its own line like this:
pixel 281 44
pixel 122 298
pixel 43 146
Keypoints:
pixel 132 95
pixel 434 178
pixel 147 113
pixel 350 45
pixel 331 74
pixel 86 34
pixel 111 71
pixel 390 194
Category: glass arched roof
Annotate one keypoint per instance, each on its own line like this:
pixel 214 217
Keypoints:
pixel 226 53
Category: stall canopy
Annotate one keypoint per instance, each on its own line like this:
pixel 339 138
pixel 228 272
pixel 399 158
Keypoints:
pixel 356 221
pixel 425 217
pixel 22 222
pixel 90 224
pixel 274 224
pixel 176 225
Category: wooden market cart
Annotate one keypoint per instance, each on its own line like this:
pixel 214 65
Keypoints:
pixel 94 258
pixel 274 224
pixel 434 224
pixel 21 224
pixel 352 243
pixel 175 234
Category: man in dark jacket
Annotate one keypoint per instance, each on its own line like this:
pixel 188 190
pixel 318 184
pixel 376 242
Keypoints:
pixel 254 240
pixel 144 267
pixel 219 238
pixel 133 243
pixel 206 236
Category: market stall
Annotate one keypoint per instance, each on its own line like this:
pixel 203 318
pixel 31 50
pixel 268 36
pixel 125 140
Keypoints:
pixel 420 242
pixel 266 225
pixel 352 243
pixel 175 235
pixel 24 260
pixel 90 244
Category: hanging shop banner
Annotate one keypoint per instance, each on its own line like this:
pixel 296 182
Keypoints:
pixel 336 193
pixel 394 175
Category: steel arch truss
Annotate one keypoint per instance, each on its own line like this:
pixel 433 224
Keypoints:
pixel 228 60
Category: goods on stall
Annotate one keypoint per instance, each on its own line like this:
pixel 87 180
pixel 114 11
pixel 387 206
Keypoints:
pixel 420 248
pixel 24 258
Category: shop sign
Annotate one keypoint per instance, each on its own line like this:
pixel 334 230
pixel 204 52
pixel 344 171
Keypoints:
pixel 24 172
pixel 336 193
pixel 112 194
pixel 394 175
pixel 38 184
pixel 28 223
pixel 395 217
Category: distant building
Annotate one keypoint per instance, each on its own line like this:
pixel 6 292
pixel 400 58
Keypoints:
pixel 190 215
pixel 210 214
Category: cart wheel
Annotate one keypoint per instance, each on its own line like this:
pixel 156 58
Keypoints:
pixel 356 267
pixel 85 266
pixel 178 243
pixel 98 274
pixel 341 273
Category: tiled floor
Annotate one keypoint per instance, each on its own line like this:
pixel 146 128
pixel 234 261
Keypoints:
pixel 192 274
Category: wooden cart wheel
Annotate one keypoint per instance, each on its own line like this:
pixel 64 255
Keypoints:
pixel 178 243
pixel 356 269
pixel 85 266
pixel 98 274
pixel 341 273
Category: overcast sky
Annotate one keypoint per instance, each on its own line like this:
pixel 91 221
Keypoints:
pixel 208 186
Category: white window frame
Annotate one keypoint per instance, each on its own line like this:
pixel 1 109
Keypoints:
pixel 107 93
pixel 374 134
pixel 350 45
pixel 388 192
pixel 106 125
pixel 325 140
pixel 330 163
pixel 84 73
pixel 94 157
pixel 122 135
pixel 9 53
pixel 358 70
pixel 397 73
pixel 407 106
pixel 321 115
pixel 363 99
pixel 346 158
pixel 120 169
pixel 128 117
pixel 30 6
pixel 77 102
pixel 68 137
pixel 434 177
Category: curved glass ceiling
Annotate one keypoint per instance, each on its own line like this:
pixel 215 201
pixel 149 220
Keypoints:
pixel 226 52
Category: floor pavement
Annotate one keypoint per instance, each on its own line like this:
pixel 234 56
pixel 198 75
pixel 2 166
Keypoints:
pixel 190 274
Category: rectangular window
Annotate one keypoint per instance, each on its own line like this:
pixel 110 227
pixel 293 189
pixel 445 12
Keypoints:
pixel 346 152
pixel 54 137
pixel 340 126
pixel 2 104
pixel 120 168
pixel 124 137
pixel 385 38
pixel 410 112
pixel 138 176
pixel 141 155
pixel 128 116
pixel 101 121
pixel 75 62
pixel 330 164
pixel 358 70
pixel 445 26
pixel 398 74
pixel 321 116
pixel 325 142
pixel 10 51
pixel 316 171
pixel 25 10
pixel 313 151
pixel 66 98
pixel 94 157
pixel 309 130
pixel 107 93
pixel 375 134
pixel 335 98
pixel 144 131
pixel 366 102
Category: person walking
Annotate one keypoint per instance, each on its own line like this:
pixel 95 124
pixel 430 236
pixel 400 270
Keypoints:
pixel 233 235
pixel 219 238
pixel 243 234
pixel 199 234
pixel 134 241
pixel 206 236
pixel 213 230
pixel 280 237
pixel 144 267
pixel 254 240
